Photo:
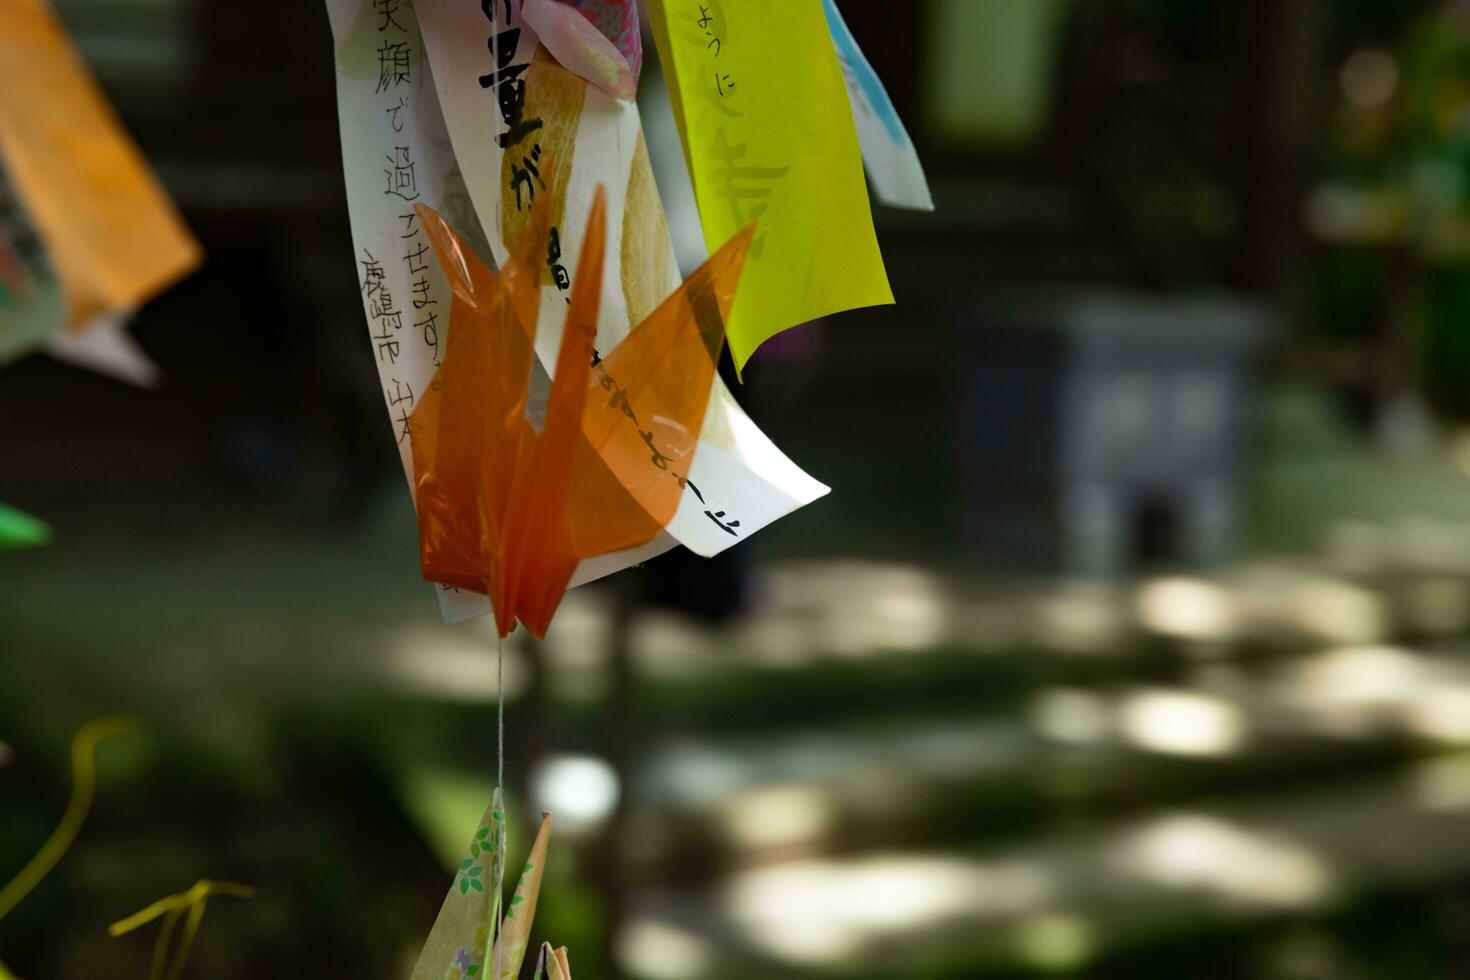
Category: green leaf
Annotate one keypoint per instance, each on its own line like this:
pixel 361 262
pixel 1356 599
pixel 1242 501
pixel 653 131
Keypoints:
pixel 465 864
pixel 472 969
pixel 518 900
pixel 474 850
pixel 476 884
pixel 464 886
pixel 484 832
pixel 527 868
pixel 19 530
pixel 475 871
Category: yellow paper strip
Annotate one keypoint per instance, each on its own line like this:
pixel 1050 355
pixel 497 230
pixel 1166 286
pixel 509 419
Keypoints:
pixel 769 138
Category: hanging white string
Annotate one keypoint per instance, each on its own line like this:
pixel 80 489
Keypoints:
pixel 500 719
pixel 500 791
pixel 504 822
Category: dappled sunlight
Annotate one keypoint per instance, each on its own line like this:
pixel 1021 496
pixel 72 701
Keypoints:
pixel 776 641
pixel 1071 715
pixel 1078 617
pixel 671 645
pixel 659 951
pixel 1276 599
pixel 451 665
pixel 1360 691
pixel 777 816
pixel 1355 684
pixel 1195 852
pixel 824 912
pixel 1098 608
pixel 577 645
pixel 1441 784
pixel 1176 722
pixel 1440 714
pixel 1056 941
pixel 694 773
pixel 859 608
pixel 1425 543
pixel 803 789
pixel 581 790
pixel 1188 608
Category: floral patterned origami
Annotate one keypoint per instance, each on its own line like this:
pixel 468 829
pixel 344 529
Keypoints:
pixel 597 39
pixel 464 944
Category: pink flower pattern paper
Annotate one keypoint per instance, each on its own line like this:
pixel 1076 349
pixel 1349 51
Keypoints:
pixel 618 22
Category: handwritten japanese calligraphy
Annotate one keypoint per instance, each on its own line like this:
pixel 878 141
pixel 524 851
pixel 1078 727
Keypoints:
pixel 395 154
pixel 577 136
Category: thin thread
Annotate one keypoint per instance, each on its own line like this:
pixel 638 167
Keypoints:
pixel 503 828
pixel 500 788
pixel 500 718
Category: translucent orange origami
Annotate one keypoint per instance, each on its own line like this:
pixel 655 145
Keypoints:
pixel 508 511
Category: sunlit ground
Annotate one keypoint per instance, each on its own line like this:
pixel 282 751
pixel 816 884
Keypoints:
pixel 884 769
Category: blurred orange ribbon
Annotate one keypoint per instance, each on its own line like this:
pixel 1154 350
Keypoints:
pixel 112 234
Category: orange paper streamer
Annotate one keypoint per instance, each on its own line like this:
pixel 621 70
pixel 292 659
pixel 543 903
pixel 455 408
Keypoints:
pixel 507 511
pixel 110 231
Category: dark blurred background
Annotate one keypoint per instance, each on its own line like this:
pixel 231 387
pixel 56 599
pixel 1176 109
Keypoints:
pixel 1132 641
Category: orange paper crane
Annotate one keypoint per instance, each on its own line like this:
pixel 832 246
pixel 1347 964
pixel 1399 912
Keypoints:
pixel 507 511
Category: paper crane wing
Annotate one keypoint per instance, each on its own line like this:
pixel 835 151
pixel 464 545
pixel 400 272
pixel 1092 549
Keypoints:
pixel 508 511
pixel 647 408
pixel 463 942
pixel 487 365
pixel 554 962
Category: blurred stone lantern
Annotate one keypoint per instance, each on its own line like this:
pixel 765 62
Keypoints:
pixel 1105 433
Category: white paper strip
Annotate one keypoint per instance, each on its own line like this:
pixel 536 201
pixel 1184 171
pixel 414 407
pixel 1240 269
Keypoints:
pixel 105 346
pixel 395 154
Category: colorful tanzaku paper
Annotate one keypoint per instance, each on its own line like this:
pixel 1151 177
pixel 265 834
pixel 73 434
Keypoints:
pixel 888 153
pixel 769 139
pixel 33 312
pixel 86 233
pixel 396 154
pixel 522 127
pixel 109 231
